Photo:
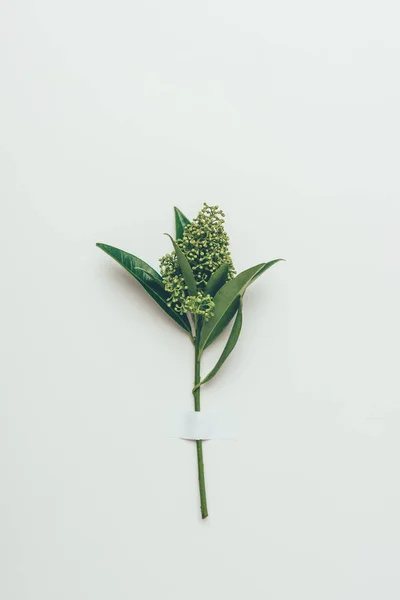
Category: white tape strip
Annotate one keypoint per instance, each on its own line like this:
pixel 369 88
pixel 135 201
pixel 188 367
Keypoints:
pixel 204 425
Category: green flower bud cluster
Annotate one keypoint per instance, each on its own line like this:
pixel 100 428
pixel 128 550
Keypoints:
pixel 206 246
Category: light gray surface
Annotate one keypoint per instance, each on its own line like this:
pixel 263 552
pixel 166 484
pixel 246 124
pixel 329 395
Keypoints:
pixel 287 115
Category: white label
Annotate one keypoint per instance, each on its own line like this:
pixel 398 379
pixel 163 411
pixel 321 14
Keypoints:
pixel 204 425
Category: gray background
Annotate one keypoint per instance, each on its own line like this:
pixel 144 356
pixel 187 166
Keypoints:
pixel 287 115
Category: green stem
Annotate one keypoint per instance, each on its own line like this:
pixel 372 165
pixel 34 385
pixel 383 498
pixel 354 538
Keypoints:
pixel 199 443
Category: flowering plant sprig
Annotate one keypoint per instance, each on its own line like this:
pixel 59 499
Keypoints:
pixel 198 288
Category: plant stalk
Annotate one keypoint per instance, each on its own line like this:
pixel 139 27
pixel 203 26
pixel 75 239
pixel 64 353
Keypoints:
pixel 199 443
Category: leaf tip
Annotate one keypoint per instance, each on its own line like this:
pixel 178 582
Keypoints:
pixel 170 237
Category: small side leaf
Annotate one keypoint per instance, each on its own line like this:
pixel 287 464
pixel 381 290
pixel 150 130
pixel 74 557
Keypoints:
pixel 180 223
pixel 230 344
pixel 149 279
pixel 217 280
pixel 225 301
pixel 185 268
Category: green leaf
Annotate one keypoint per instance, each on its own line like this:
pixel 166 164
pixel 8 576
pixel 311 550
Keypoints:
pixel 217 280
pixel 185 268
pixel 149 279
pixel 180 223
pixel 229 346
pixel 266 266
pixel 226 300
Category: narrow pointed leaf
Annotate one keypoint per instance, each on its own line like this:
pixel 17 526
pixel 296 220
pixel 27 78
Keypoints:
pixel 180 223
pixel 226 302
pixel 149 279
pixel 229 346
pixel 217 280
pixel 266 266
pixel 185 268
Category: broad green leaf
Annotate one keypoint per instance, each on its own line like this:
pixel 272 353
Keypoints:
pixel 226 302
pixel 185 268
pixel 180 223
pixel 149 279
pixel 217 280
pixel 229 346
